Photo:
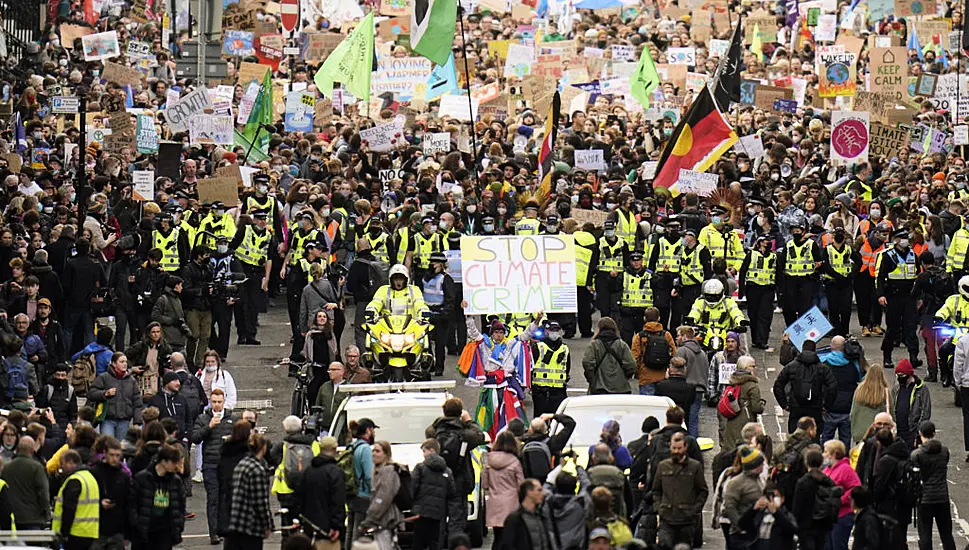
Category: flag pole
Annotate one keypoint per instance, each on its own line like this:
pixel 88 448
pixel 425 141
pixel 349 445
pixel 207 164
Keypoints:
pixel 467 78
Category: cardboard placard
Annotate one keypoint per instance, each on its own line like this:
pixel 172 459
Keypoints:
pixel 764 96
pixel 701 183
pixel 120 74
pixel 591 159
pixel 194 104
pixel 889 67
pixel 221 189
pixel 850 136
pixel 247 72
pixel 242 21
pixel 70 33
pixel 393 8
pixel 886 140
pixel 837 71
pixel 321 44
pixel 595 217
pixel 384 137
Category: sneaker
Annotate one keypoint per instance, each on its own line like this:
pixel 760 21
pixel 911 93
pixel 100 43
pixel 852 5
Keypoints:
pixel 215 540
pixel 769 349
pixel 197 478
pixel 878 331
pixel 865 331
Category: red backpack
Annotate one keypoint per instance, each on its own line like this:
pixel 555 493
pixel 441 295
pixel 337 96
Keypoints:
pixel 729 404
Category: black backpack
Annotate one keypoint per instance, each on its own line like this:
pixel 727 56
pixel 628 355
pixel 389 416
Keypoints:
pixel 404 499
pixel 536 460
pixel 656 352
pixel 378 272
pixel 807 387
pixel 453 448
pixel 908 484
pixel 827 504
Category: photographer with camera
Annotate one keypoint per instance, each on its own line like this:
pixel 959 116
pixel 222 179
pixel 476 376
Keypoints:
pixel 197 300
pixel 226 273
pixel 169 313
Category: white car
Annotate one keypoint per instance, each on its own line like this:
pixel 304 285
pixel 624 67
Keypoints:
pixel 403 410
pixel 590 412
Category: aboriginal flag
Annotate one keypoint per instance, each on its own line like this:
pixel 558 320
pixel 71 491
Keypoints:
pixel 548 144
pixel 701 137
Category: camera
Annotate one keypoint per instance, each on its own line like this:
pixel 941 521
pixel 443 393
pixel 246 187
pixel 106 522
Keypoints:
pixel 129 242
pixel 312 424
pixel 227 285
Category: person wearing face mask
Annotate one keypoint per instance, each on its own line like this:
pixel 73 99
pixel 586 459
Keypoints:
pixel 664 260
pixel 380 242
pixel 869 310
pixel 171 241
pixel 440 295
pixel 771 521
pixel 837 466
pixel 955 258
pixel 838 261
pixel 224 264
pixel 797 266
pixel 405 241
pixel 609 260
pixel 304 232
pixel 897 270
pixel 470 219
pixel 216 223
pixel 721 240
pixel 625 219
pixel 59 397
pixel 757 276
pixel 488 226
pixel 910 403
pixel 260 201
pixel 637 295
pixel 252 245
pixel 550 373
pixel 427 241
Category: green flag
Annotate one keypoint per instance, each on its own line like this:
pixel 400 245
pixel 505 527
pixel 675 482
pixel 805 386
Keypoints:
pixel 262 113
pixel 256 155
pixel 432 28
pixel 645 79
pixel 350 63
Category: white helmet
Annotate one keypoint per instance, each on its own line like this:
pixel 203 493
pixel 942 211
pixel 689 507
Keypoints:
pixel 712 291
pixel 399 269
pixel 964 286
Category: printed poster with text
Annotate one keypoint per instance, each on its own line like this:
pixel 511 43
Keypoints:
pixel 508 274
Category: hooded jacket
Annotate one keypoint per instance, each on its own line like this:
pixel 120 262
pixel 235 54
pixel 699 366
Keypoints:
pixel 567 513
pixel 920 405
pixel 145 488
pixel 323 494
pixel 608 364
pixel 500 477
pixel 168 311
pixel 232 453
pixel 114 483
pixel 804 501
pixel 697 363
pixel 806 383
pixel 885 477
pixel 932 458
pixel 847 375
pixel 434 490
pixel 472 435
pixel 843 476
pixel 644 374
pixel 382 511
pixel 751 404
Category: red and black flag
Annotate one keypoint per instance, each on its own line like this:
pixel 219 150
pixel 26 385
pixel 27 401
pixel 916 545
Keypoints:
pixel 701 137
pixel 548 145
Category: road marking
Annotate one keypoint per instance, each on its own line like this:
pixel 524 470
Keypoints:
pixel 963 524
pixel 267 390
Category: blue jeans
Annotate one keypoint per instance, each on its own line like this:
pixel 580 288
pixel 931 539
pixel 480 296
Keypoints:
pixel 840 532
pixel 116 428
pixel 693 422
pixel 648 389
pixel 840 422
pixel 210 478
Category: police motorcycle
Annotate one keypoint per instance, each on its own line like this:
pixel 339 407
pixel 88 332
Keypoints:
pixel 398 348
pixel 710 336
pixel 947 334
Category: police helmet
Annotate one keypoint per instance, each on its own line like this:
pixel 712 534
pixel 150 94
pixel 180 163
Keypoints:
pixel 712 291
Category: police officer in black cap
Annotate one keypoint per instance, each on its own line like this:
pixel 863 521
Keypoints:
pixel 488 225
pixel 664 263
pixel 897 268
pixel 253 246
pixel 609 260
pixel 637 295
pixel 459 331
pixel 225 267
pixel 550 374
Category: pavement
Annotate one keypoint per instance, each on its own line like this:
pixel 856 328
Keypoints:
pixel 267 389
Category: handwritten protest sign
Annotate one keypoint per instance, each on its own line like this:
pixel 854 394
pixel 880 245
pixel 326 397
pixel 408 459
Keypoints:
pixel 753 145
pixel 681 56
pixel 764 96
pixel 146 136
pixel 504 274
pixel 837 71
pixel 592 159
pixel 701 183
pixel 456 106
pixel 221 189
pixel 392 8
pixel 889 68
pixel 849 136
pixel 404 76
pixel 101 46
pixel 194 104
pixel 210 129
pixel 144 185
pixel 384 137
pixel 251 71
pixel 138 50
pixel 437 141
pixel 519 61
pixel 886 140
pixel 70 33
pixel 960 135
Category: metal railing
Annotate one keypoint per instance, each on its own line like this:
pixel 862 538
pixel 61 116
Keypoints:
pixel 22 20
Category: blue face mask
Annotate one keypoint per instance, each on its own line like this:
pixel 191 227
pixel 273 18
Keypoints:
pixel 717 220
